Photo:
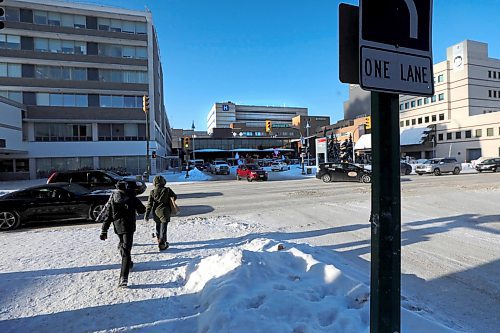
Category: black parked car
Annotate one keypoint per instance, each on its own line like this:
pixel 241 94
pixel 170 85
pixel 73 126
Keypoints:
pixel 95 180
pixel 405 168
pixel 491 164
pixel 338 172
pixel 51 202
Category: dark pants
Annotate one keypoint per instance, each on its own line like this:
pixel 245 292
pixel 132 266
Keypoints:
pixel 161 232
pixel 125 247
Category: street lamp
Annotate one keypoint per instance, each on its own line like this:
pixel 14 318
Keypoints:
pixel 193 136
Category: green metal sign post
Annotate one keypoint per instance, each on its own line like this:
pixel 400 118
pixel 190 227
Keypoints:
pixel 385 303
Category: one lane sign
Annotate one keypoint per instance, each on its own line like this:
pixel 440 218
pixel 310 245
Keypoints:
pixel 396 46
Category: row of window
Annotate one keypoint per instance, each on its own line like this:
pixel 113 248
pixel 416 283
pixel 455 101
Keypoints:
pixel 10 70
pixel 83 132
pixel 420 120
pixel 420 101
pixel 82 100
pixel 74 73
pixel 74 21
pixel 493 93
pixel 467 134
pixel 13 42
pixel 75 100
pixel 493 75
pixel 63 132
pixel 12 95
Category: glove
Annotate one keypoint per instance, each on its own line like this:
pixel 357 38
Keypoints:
pixel 103 235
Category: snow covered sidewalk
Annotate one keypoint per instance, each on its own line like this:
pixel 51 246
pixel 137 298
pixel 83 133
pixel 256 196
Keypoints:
pixel 220 275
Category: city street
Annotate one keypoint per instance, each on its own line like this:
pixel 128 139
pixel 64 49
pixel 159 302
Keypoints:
pixel 450 244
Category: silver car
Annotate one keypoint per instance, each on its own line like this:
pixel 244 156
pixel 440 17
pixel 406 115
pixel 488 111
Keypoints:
pixel 437 166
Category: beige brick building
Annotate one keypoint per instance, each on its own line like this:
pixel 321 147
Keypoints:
pixel 465 110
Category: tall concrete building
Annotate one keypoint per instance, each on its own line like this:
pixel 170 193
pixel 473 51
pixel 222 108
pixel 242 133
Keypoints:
pixel 251 117
pixel 79 72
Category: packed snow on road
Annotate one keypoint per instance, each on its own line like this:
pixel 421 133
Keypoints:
pixel 238 268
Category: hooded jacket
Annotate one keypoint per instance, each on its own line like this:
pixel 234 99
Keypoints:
pixel 121 210
pixel 159 200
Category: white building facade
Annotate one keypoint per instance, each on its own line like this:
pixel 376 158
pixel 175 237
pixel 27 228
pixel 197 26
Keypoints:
pixel 222 115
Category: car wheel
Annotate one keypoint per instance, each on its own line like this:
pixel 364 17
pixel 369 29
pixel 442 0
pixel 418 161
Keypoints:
pixel 264 179
pixel 494 169
pixel 479 170
pixel 249 179
pixel 9 220
pixel 94 211
pixel 407 171
pixel 420 174
pixel 238 177
pixel 366 179
pixel 326 178
pixel 456 171
pixel 437 172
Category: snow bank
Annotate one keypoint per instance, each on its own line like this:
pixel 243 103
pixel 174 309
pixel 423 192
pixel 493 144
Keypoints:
pixel 203 283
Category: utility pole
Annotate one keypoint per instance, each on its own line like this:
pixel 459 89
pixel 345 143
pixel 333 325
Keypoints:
pixel 145 108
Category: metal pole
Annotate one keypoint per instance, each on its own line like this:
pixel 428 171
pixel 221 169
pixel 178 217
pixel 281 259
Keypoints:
pixel 307 142
pixel 194 155
pixel 385 306
pixel 148 161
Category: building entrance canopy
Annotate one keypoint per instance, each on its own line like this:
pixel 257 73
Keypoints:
pixel 408 137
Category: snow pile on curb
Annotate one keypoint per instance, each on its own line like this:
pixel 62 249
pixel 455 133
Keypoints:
pixel 203 283
pixel 195 175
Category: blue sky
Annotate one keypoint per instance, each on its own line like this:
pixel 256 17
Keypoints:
pixel 275 52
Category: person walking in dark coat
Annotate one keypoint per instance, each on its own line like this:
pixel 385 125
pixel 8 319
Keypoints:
pixel 159 205
pixel 121 210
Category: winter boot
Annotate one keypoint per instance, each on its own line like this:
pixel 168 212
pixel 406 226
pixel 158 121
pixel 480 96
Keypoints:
pixel 123 283
pixel 163 246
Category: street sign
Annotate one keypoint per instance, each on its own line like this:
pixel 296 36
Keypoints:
pixel 396 46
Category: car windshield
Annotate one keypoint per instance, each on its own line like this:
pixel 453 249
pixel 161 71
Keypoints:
pixel 252 167
pixel 432 161
pixel 75 189
pixel 114 175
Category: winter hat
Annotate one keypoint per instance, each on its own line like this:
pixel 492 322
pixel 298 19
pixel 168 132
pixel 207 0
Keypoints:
pixel 121 185
pixel 159 181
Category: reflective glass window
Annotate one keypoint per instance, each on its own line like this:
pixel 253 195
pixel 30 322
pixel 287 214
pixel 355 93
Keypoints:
pixel 39 17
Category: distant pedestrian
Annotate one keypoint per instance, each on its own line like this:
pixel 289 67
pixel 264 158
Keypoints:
pixel 121 210
pixel 159 205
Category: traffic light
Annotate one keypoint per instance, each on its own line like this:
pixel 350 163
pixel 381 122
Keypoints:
pixel 368 122
pixel 145 103
pixel 2 14
pixel 268 126
pixel 186 142
pixel 153 154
